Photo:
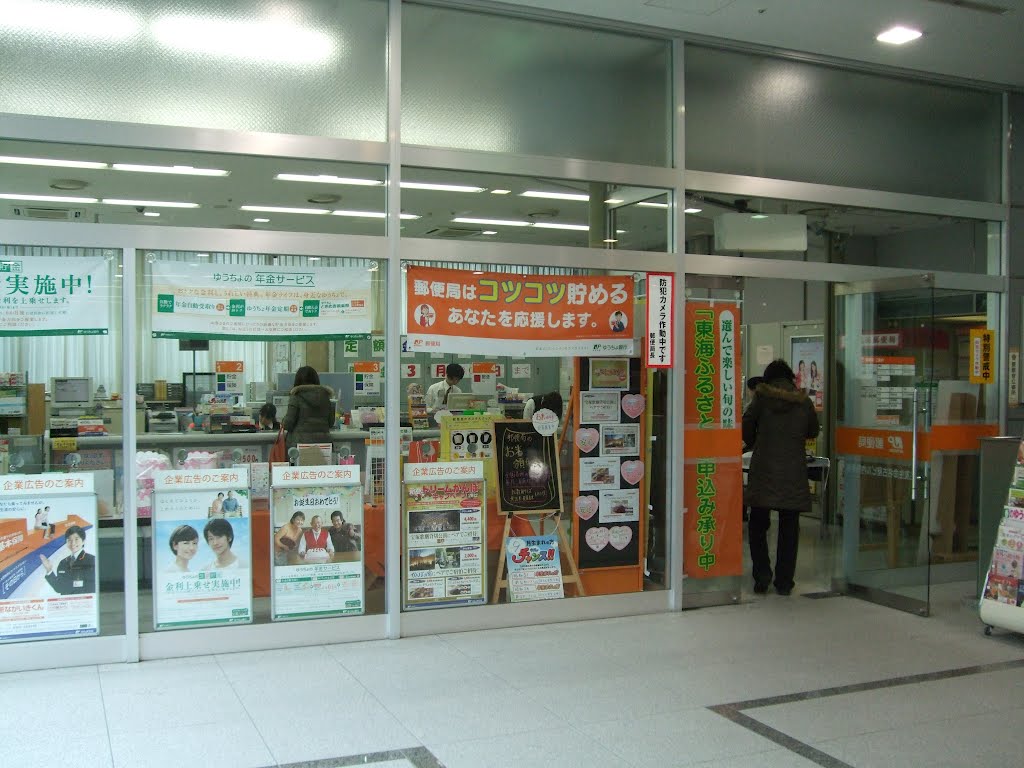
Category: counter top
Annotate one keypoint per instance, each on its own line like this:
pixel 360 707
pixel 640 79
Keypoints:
pixel 158 440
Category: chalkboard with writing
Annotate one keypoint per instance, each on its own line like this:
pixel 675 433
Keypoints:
pixel 528 475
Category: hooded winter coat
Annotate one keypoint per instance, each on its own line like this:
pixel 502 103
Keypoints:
pixel 310 415
pixel 776 424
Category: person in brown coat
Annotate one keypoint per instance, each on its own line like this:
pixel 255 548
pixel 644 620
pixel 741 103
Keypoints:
pixel 777 424
pixel 310 415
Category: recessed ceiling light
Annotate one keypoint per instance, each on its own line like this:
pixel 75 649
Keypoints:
pixel 48 198
pixel 276 40
pixel 489 232
pixel 149 203
pixel 51 162
pixel 609 240
pixel 180 170
pixel 692 210
pixel 614 201
pixel 759 215
pixel 898 35
pixel 261 221
pixel 553 225
pixel 500 191
pixel 323 178
pixel 646 204
pixel 439 187
pixel 279 209
pixel 372 214
pixel 151 214
pixel 555 195
pixel 490 222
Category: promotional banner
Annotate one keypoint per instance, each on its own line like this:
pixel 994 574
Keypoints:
pixel 202 548
pixel 48 576
pixel 258 303
pixel 534 568
pixel 42 296
pixel 444 534
pixel 471 438
pixel 318 544
pixel 807 355
pixel 449 310
pixel 712 468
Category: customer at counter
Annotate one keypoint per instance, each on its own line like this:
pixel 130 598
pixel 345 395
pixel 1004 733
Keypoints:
pixel 550 400
pixel 310 413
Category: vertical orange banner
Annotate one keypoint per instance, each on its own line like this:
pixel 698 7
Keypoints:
pixel 713 470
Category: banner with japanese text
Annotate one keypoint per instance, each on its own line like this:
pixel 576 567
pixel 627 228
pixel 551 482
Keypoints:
pixel 258 303
pixel 45 296
pixel 661 324
pixel 713 471
pixel 450 310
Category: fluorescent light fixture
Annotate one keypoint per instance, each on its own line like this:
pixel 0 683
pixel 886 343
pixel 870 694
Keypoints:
pixel 51 162
pixel 61 19
pixel 48 198
pixel 555 195
pixel 372 214
pixel 500 191
pixel 439 187
pixel 149 203
pixel 489 232
pixel 323 178
pixel 692 210
pixel 181 170
pixel 279 209
pixel 614 201
pixel 151 214
pixel 898 35
pixel 553 225
pixel 265 41
pixel 646 204
pixel 609 240
pixel 759 215
pixel 261 221
pixel 490 222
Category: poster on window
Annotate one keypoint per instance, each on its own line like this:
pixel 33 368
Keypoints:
pixel 259 302
pixel 67 296
pixel 807 356
pixel 534 568
pixel 444 534
pixel 48 550
pixel 451 310
pixel 471 438
pixel 318 543
pixel 202 548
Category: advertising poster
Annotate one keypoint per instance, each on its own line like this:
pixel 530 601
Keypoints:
pixel 807 356
pixel 258 303
pixel 712 468
pixel 318 543
pixel 67 296
pixel 202 548
pixel 471 438
pixel 48 547
pixel 444 534
pixel 599 407
pixel 534 568
pixel 451 310
pixel 612 373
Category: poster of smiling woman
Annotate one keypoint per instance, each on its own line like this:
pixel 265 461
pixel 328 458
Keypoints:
pixel 202 557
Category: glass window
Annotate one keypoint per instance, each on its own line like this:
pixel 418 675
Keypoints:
pixel 482 82
pixel 260 473
pixel 321 71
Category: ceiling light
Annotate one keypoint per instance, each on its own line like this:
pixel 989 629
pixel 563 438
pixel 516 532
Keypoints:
pixel 60 18
pixel 500 191
pixel 149 203
pixel 490 222
pixel 489 232
pixel 313 258
pixel 279 209
pixel 614 201
pixel 759 215
pixel 51 162
pixel 261 221
pixel 372 214
pixel 692 210
pixel 439 187
pixel 323 178
pixel 151 214
pixel 652 205
pixel 898 35
pixel 48 198
pixel 609 240
pixel 181 170
pixel 553 225
pixel 270 41
pixel 555 195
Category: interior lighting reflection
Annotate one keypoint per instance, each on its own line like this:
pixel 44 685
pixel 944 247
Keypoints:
pixel 279 209
pixel 278 41
pixel 646 204
pixel 47 198
pixel 323 178
pixel 555 195
pixel 554 225
pixel 372 214
pixel 180 170
pixel 149 203
pixel 490 222
pixel 64 19
pixel 50 162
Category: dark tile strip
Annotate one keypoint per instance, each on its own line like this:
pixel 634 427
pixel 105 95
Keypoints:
pixel 788 742
pixel 421 757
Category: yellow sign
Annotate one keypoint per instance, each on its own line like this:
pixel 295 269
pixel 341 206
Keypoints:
pixel 471 438
pixel 64 444
pixel 983 356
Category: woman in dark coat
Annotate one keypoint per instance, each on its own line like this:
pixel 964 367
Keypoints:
pixel 778 422
pixel 310 415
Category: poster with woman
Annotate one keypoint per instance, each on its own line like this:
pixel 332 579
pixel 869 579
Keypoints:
pixel 807 357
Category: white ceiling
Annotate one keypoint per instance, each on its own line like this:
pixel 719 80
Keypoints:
pixel 958 41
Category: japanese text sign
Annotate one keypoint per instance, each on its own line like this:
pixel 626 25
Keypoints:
pixel 297 477
pixel 54 296
pixel 200 479
pixel 983 352
pixel 660 319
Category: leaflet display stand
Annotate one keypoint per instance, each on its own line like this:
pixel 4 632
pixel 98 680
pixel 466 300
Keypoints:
pixel 1002 599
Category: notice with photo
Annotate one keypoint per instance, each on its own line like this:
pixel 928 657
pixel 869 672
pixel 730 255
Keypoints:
pixel 619 506
pixel 534 568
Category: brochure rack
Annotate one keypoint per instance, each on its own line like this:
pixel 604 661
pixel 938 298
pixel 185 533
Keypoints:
pixel 1002 599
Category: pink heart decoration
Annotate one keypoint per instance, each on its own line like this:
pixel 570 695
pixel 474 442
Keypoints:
pixel 586 506
pixel 619 536
pixel 633 405
pixel 597 538
pixel 587 439
pixel 632 471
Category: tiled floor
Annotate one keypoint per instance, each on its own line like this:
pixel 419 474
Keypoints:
pixel 774 682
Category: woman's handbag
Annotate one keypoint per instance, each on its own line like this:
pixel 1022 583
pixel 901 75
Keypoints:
pixel 279 450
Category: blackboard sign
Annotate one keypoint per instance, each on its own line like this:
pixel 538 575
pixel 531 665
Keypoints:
pixel 528 476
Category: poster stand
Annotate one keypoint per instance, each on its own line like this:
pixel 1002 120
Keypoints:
pixel 573 577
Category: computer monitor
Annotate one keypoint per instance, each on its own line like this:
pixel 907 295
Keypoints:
pixel 70 392
pixel 467 401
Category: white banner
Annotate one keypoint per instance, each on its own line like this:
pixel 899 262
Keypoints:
pixel 237 301
pixel 42 296
pixel 470 345
pixel 660 319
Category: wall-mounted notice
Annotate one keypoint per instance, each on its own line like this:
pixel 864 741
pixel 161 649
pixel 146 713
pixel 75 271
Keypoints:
pixel 522 370
pixel 368 377
pixel 318 543
pixel 534 568
pixel 983 354
pixel 48 556
pixel 202 548
pixel 660 319
pixel 230 377
pixel 471 438
pixel 46 296
pixel 528 476
pixel 444 534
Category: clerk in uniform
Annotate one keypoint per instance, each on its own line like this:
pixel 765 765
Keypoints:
pixel 76 573
pixel 436 398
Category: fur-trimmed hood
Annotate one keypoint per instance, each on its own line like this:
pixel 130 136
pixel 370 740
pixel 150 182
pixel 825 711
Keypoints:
pixel 310 388
pixel 781 389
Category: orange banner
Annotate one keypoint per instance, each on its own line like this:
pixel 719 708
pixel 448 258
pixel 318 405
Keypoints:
pixel 898 444
pixel 712 472
pixel 450 310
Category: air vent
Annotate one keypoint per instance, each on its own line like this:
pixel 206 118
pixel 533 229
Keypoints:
pixel 49 214
pixel 973 5
pixel 453 233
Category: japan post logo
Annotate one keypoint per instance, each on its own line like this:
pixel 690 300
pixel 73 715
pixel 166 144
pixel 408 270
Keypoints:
pixel 895 444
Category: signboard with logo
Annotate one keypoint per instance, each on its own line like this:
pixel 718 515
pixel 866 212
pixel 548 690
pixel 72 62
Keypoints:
pixel 66 296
